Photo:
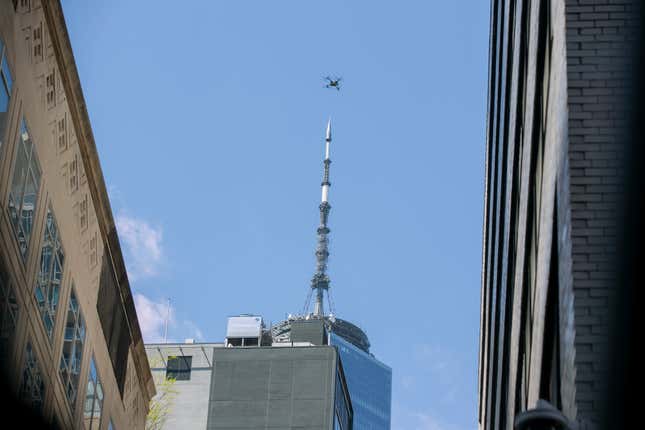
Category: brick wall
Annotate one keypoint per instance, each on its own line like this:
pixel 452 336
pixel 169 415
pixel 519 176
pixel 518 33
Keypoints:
pixel 599 42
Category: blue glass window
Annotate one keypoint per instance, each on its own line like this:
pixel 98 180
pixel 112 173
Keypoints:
pixel 341 408
pixel 369 383
pixel 72 354
pixel 93 399
pixel 25 185
pixel 6 83
pixel 50 275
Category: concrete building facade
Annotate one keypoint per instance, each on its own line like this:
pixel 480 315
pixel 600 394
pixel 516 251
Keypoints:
pixel 278 388
pixel 560 74
pixel 69 335
pixel 297 385
pixel 189 406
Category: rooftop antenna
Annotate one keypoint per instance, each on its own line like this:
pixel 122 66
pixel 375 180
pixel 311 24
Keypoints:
pixel 165 329
pixel 320 280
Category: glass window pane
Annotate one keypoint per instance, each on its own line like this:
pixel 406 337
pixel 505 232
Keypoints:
pixel 93 399
pixel 72 354
pixel 7 73
pixel 4 108
pixel 4 104
pixel 25 137
pixel 6 82
pixel 17 184
pixel 25 184
pixel 48 282
pixel 28 206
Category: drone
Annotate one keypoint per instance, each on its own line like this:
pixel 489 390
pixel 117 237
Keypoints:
pixel 333 82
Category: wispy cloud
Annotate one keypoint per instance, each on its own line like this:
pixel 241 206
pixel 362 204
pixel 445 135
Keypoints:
pixel 143 246
pixel 425 421
pixel 193 331
pixel 152 317
pixel 407 418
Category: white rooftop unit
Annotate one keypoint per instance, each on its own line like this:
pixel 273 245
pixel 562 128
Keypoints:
pixel 244 330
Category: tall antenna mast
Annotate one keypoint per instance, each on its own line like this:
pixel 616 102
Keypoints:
pixel 320 280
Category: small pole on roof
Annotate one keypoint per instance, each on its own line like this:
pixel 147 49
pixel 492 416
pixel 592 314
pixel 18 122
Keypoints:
pixel 165 329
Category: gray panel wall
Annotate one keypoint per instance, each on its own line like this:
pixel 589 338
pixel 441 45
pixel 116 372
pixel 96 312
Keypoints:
pixel 274 388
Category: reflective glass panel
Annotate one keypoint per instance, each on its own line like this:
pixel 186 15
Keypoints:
pixel 369 383
pixel 72 354
pixel 6 82
pixel 23 194
pixel 6 74
pixel 93 399
pixel 18 184
pixel 50 274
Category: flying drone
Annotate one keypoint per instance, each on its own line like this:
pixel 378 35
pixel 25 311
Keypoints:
pixel 333 82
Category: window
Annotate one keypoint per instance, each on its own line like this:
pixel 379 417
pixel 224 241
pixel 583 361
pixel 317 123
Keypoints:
pixel 21 6
pixel 61 130
pixel 8 313
pixel 73 174
pixel 72 355
pixel 93 399
pixel 32 388
pixel 179 368
pixel 6 83
pixel 113 322
pixel 50 81
pixel 52 261
pixel 25 185
pixel 83 212
pixel 38 42
pixel 93 250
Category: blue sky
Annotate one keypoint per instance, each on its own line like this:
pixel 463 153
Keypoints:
pixel 209 118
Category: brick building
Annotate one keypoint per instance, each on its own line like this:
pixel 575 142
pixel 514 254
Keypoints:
pixel 560 73
pixel 70 342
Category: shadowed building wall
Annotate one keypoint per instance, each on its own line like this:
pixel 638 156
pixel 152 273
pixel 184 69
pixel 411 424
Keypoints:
pixel 559 76
pixel 69 336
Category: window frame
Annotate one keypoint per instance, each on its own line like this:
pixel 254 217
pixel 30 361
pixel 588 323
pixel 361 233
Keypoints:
pixel 93 378
pixel 28 151
pixel 76 357
pixel 5 85
pixel 183 372
pixel 29 378
pixel 45 283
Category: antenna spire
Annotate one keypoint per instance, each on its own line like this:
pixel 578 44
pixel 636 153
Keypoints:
pixel 320 280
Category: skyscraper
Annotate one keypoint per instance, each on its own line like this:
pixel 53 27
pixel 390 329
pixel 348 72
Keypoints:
pixel 280 376
pixel 369 381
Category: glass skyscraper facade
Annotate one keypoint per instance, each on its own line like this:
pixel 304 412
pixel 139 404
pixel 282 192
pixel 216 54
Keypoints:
pixel 370 385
